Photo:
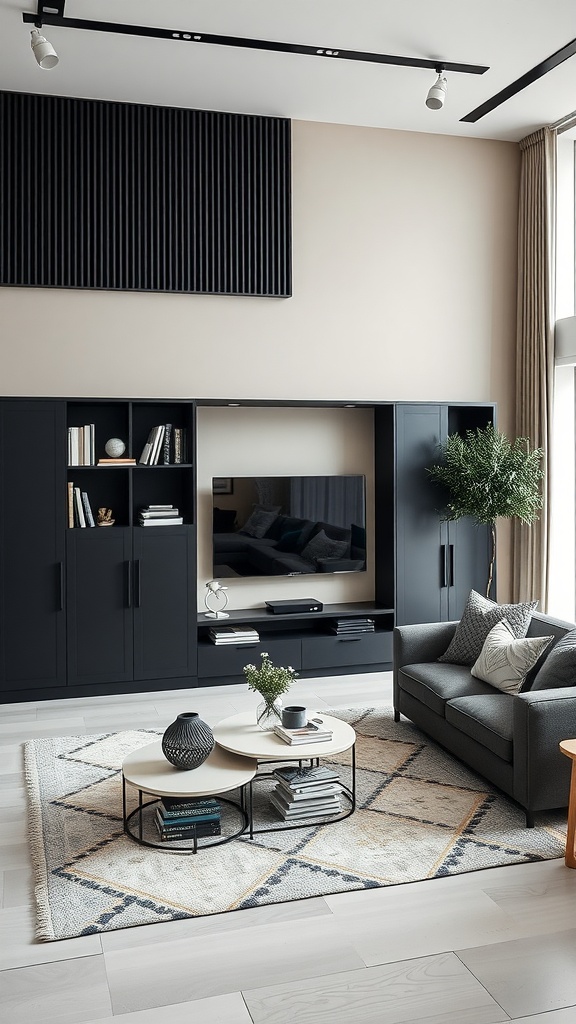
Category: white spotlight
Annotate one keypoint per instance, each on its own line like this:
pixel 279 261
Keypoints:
pixel 44 52
pixel 437 94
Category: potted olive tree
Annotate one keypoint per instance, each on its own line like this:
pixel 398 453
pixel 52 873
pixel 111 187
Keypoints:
pixel 488 477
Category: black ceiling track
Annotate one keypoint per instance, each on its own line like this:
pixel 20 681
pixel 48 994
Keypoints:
pixel 48 15
pixel 564 53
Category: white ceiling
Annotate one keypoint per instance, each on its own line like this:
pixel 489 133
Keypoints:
pixel 511 36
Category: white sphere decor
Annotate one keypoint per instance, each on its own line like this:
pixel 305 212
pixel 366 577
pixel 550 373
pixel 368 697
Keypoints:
pixel 114 447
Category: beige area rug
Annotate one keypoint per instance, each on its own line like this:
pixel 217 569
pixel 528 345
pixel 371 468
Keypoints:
pixel 421 814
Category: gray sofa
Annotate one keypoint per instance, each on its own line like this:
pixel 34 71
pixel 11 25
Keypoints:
pixel 510 739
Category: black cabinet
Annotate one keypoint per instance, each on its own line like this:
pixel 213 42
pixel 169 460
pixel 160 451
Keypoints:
pixel 131 606
pixel 32 545
pixel 437 563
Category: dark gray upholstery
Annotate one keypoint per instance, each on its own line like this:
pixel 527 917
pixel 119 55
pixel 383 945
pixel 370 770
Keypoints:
pixel 512 739
pixel 487 721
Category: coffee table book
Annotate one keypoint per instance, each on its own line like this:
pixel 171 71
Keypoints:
pixel 308 734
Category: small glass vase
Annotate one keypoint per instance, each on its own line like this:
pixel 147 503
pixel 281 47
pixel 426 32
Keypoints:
pixel 269 714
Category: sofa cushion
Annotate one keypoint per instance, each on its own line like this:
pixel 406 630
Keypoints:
pixel 433 684
pixel 488 720
pixel 504 661
pixel 559 668
pixel 479 616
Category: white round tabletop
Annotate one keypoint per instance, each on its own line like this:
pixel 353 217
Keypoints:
pixel 148 769
pixel 241 735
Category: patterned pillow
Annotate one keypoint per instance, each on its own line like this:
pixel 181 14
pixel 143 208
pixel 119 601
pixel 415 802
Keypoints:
pixel 479 616
pixel 504 661
pixel 559 669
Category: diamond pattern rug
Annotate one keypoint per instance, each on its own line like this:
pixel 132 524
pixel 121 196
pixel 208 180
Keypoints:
pixel 421 813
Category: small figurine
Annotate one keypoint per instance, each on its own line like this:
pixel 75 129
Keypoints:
pixel 105 517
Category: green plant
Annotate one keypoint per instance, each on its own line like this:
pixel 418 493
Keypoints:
pixel 489 477
pixel 269 680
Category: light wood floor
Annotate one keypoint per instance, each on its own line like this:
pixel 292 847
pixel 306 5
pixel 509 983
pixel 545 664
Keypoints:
pixel 478 948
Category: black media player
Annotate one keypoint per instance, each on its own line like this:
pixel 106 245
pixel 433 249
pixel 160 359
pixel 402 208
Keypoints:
pixel 301 604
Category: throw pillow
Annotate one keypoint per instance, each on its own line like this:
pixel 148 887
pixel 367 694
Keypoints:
pixel 559 669
pixel 258 523
pixel 322 546
pixel 504 661
pixel 479 616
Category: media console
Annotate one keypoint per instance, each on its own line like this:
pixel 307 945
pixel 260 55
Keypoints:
pixel 302 640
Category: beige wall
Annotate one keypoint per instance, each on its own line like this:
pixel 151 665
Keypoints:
pixel 404 288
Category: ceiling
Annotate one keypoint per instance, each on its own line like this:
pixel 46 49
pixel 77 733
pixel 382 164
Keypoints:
pixel 510 36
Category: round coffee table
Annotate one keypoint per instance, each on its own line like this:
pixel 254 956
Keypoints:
pixel 240 734
pixel 149 772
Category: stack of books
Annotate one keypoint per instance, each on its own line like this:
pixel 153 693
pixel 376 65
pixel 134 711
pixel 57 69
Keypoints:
pixel 309 733
pixel 160 515
pixel 158 444
pixel 344 627
pixel 233 635
pixel 79 508
pixel 81 445
pixel 177 818
pixel 306 793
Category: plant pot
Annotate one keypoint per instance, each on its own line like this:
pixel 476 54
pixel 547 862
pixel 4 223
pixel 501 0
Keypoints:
pixel 188 741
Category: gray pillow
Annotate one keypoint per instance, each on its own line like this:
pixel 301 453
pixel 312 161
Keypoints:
pixel 505 661
pixel 322 546
pixel 559 668
pixel 259 522
pixel 479 616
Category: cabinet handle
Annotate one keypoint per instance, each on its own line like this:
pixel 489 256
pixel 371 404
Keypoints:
pixel 129 583
pixel 61 582
pixel 138 589
pixel 451 573
pixel 349 639
pixel 443 574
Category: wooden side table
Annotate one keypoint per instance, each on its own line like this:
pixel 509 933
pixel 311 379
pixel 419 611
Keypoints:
pixel 568 747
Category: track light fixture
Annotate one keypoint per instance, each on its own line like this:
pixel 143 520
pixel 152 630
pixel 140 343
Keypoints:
pixel 437 92
pixel 46 56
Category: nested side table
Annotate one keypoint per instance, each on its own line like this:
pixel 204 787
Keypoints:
pixel 568 747
pixel 149 772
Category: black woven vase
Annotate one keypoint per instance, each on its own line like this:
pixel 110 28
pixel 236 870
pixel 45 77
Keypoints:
pixel 188 741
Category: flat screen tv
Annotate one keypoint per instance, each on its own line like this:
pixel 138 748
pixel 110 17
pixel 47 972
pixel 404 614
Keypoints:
pixel 288 525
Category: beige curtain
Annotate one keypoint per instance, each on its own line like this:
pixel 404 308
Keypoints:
pixel 535 348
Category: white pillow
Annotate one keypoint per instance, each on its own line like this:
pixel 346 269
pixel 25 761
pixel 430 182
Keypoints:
pixel 504 661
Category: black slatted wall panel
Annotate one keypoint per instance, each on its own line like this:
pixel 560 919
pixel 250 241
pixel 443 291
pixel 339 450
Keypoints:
pixel 122 196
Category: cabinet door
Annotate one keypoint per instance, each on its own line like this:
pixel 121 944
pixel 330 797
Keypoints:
pixel 100 605
pixel 468 560
pixel 421 537
pixel 164 602
pixel 32 529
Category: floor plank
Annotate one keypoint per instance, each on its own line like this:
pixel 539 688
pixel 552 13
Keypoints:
pixel 426 990
pixel 67 992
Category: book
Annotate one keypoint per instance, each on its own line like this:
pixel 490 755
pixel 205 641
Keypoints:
pixel 203 828
pixel 121 461
pixel 156 444
pixel 79 508
pixel 174 807
pixel 87 510
pixel 166 444
pixel 145 454
pixel 308 734
pixel 310 792
pixel 159 513
pixel 311 803
pixel 320 810
pixel 71 504
pixel 299 778
pixel 173 521
pixel 177 824
pixel 156 508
